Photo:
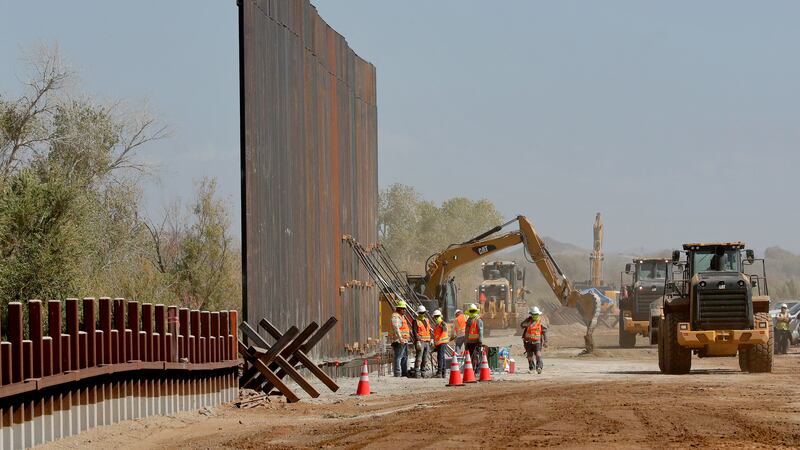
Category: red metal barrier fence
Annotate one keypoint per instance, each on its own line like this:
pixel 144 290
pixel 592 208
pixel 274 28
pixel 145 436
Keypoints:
pixel 96 362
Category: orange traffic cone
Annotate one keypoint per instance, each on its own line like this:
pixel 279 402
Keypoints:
pixel 485 373
pixel 363 383
pixel 469 374
pixel 455 373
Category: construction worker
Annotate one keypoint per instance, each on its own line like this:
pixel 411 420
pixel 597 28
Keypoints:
pixel 422 341
pixel 474 337
pixel 440 340
pixel 400 336
pixel 782 333
pixel 534 335
pixel 459 330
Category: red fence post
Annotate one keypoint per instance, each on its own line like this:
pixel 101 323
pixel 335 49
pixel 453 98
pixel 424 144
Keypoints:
pixel 172 331
pixel 147 327
pixel 99 347
pixel 47 356
pixel 215 334
pixel 113 350
pixel 129 340
pixel 205 332
pixel 83 351
pixel 168 347
pixel 133 324
pixel 161 320
pixel 224 325
pixel 183 332
pixel 27 359
pixel 5 362
pixel 155 340
pixel 15 337
pixel 143 355
pixel 89 327
pixel 72 331
pixel 119 325
pixel 35 335
pixel 66 358
pixel 104 304
pixel 195 332
pixel 234 334
pixel 54 330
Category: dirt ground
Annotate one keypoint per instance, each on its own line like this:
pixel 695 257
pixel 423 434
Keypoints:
pixel 615 398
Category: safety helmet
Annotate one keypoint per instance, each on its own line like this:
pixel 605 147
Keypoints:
pixel 401 304
pixel 535 311
pixel 421 309
pixel 436 313
pixel 473 308
pixel 784 305
pixel 458 311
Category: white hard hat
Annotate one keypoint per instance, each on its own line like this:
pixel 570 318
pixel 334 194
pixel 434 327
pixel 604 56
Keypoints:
pixel 458 311
pixel 421 309
pixel 473 306
pixel 436 312
pixel 784 305
pixel 534 310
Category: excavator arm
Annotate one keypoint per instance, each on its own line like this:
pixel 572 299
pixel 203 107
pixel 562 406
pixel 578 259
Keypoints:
pixel 442 264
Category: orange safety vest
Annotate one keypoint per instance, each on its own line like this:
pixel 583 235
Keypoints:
pixel 423 330
pixel 461 325
pixel 534 332
pixel 473 331
pixel 440 335
pixel 405 330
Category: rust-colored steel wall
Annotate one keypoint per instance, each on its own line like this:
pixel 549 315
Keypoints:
pixel 309 173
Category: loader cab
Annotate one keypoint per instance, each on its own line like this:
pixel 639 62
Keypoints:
pixel 504 281
pixel 507 270
pixel 648 277
pixel 719 291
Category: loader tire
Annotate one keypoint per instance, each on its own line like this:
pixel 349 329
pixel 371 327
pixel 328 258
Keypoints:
pixel 744 358
pixel 760 356
pixel 661 353
pixel 677 359
pixel 626 340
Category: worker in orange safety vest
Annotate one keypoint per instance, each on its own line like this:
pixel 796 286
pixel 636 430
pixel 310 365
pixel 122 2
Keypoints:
pixel 474 334
pixel 440 340
pixel 422 332
pixel 534 336
pixel 400 335
pixel 460 330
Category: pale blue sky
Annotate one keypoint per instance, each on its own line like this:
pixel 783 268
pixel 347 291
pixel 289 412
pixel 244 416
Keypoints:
pixel 677 120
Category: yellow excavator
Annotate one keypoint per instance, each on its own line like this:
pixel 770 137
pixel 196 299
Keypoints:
pixel 440 265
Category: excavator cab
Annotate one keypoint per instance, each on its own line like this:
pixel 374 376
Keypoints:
pixel 445 300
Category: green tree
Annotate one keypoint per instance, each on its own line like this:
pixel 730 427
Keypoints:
pixel 412 228
pixel 197 254
pixel 41 239
pixel 70 198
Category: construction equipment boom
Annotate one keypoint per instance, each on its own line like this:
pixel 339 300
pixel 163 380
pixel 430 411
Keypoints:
pixel 597 253
pixel 440 265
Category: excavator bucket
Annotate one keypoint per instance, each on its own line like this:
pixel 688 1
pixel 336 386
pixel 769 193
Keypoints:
pixel 588 305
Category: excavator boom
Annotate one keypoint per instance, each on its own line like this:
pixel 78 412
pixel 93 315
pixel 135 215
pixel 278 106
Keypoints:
pixel 442 264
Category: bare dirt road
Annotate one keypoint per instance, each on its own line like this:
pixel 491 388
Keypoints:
pixel 613 399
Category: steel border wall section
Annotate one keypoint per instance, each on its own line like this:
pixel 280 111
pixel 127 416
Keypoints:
pixel 101 361
pixel 309 173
